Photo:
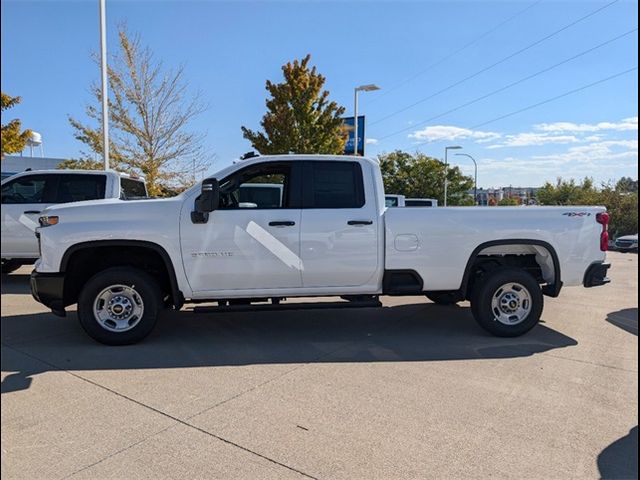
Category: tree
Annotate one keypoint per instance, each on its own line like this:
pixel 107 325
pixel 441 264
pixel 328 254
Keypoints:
pixel 13 141
pixel 509 202
pixel 421 176
pixel 149 111
pixel 300 118
pixel 620 200
pixel 81 164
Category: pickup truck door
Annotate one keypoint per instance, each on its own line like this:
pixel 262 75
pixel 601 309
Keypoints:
pixel 339 233
pixel 247 245
pixel 23 199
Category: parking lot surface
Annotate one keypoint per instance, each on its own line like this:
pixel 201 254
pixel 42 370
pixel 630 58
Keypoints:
pixel 410 390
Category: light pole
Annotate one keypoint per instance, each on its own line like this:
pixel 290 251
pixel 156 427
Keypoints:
pixel 446 169
pixel 362 88
pixel 475 177
pixel 105 98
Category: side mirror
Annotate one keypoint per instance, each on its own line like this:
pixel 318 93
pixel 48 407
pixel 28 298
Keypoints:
pixel 207 201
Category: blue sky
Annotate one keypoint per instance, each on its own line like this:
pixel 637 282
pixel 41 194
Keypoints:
pixel 413 50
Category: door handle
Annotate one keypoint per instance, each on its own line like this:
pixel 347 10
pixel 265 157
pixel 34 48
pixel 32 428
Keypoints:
pixel 31 212
pixel 282 224
pixel 359 222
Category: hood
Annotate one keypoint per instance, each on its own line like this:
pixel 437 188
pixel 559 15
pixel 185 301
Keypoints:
pixel 629 237
pixel 113 202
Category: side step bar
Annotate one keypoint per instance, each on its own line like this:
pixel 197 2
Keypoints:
pixel 287 306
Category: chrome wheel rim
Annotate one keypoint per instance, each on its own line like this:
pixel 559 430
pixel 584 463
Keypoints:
pixel 511 304
pixel 118 308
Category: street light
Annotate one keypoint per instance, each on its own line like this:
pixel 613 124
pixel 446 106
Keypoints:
pixel 362 88
pixel 104 93
pixel 446 169
pixel 475 181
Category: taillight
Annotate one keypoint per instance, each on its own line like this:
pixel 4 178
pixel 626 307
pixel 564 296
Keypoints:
pixel 603 219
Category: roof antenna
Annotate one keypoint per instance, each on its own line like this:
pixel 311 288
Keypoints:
pixel 248 155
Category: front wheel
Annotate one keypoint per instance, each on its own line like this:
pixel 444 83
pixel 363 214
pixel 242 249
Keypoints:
pixel 507 302
pixel 119 306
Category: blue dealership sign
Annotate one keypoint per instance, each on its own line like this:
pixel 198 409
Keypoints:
pixel 348 125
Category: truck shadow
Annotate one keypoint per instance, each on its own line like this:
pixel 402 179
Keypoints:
pixel 626 319
pixel 420 332
pixel 620 459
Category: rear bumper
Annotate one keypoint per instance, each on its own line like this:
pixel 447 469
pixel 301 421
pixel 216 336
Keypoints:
pixel 596 275
pixel 48 289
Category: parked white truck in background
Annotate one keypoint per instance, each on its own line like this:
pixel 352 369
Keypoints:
pixel 25 195
pixel 122 262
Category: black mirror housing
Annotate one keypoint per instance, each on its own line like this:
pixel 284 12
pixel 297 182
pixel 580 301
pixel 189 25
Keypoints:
pixel 208 200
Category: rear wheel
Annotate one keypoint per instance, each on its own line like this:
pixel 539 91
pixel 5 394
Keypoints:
pixel 119 306
pixel 507 302
pixel 444 298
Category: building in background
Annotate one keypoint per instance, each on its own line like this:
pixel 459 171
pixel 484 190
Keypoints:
pixel 15 164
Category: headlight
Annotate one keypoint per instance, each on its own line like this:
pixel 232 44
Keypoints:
pixel 48 220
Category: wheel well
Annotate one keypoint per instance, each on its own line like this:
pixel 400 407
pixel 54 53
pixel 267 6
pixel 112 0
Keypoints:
pixel 83 263
pixel 537 259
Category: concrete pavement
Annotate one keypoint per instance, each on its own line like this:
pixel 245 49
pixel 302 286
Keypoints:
pixel 411 390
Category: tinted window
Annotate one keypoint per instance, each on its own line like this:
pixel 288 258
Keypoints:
pixel 27 189
pixel 333 185
pixel 391 202
pixel 132 188
pixel 265 185
pixel 77 188
pixel 418 203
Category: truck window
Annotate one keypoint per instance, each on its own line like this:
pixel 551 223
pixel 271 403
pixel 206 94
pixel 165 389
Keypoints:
pixel 28 189
pixel 258 186
pixel 418 203
pixel 333 185
pixel 78 187
pixel 391 201
pixel 130 188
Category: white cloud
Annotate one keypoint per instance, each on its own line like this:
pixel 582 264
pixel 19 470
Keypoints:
pixel 626 124
pixel 372 141
pixel 450 132
pixel 587 154
pixel 533 139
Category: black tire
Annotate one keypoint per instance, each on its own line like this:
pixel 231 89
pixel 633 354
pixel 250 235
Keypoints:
pixel 444 298
pixel 9 266
pixel 145 291
pixel 496 283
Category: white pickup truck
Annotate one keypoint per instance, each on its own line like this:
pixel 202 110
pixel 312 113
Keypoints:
pixel 331 235
pixel 25 195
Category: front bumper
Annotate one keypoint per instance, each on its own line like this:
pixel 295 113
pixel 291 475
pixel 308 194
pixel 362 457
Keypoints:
pixel 596 275
pixel 48 289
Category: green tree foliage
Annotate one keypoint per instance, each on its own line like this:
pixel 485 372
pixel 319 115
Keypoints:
pixel 621 200
pixel 81 164
pixel 13 141
pixel 300 118
pixel 149 113
pixel 509 202
pixel 420 176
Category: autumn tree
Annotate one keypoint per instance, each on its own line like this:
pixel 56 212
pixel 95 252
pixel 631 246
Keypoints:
pixel 421 176
pixel 13 140
pixel 149 114
pixel 300 118
pixel 620 199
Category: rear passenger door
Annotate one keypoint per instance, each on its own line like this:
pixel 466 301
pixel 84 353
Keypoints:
pixel 339 225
